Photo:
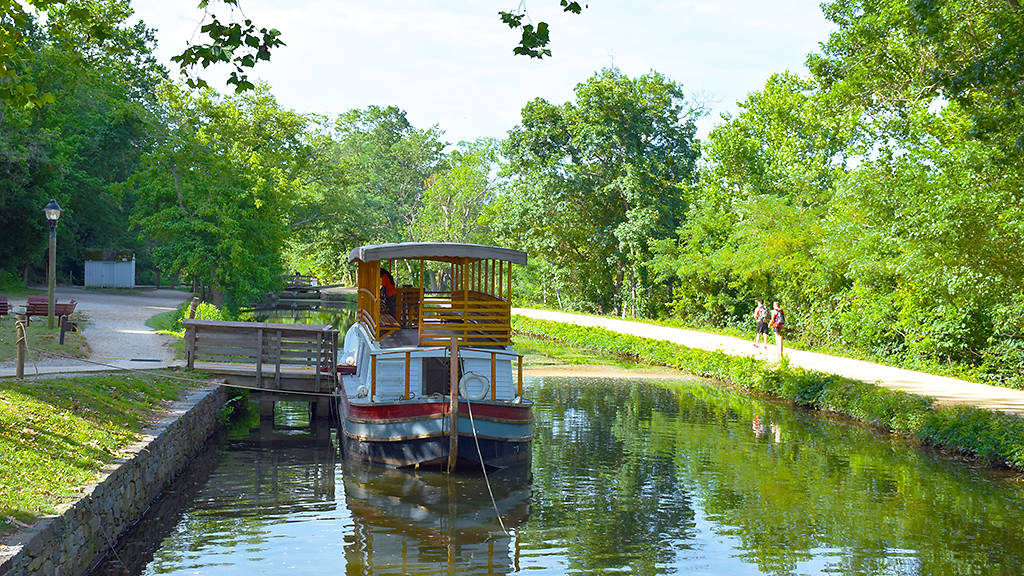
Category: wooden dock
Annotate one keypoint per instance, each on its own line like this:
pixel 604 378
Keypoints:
pixel 282 361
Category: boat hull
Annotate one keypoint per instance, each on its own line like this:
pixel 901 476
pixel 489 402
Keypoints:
pixel 415 433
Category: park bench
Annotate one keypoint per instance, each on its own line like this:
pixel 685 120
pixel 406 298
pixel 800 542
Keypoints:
pixel 5 306
pixel 39 306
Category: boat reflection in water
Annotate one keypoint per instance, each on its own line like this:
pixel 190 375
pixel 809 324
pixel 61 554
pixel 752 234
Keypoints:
pixel 406 522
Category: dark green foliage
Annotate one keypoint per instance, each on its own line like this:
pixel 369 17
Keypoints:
pixel 240 45
pixel 75 149
pixel 992 436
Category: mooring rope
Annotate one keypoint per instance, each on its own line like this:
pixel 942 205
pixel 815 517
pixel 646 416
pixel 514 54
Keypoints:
pixel 24 338
pixel 483 467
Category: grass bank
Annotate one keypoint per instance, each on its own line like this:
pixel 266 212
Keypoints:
pixel 169 323
pixel 56 435
pixel 995 438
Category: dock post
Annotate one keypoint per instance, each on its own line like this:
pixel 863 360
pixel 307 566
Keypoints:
pixel 22 348
pixel 266 408
pixel 320 419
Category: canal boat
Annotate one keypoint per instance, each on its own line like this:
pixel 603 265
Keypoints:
pixel 429 376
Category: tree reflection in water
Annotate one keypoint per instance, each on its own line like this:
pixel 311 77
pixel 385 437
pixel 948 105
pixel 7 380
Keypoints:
pixel 683 477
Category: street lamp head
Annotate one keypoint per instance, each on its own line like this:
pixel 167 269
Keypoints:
pixel 52 211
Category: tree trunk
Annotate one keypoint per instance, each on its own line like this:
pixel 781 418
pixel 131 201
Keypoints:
pixel 216 294
pixel 618 309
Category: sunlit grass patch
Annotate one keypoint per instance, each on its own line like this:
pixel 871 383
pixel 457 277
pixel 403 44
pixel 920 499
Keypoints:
pixel 56 435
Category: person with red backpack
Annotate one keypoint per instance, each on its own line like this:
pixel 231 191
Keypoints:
pixel 778 323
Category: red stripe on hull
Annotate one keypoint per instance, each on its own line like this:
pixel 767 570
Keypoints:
pixel 414 409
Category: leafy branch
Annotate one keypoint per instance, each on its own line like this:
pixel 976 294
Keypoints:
pixel 240 45
pixel 534 40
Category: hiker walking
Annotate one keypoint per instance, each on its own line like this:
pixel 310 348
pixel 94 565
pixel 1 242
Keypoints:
pixel 761 320
pixel 778 323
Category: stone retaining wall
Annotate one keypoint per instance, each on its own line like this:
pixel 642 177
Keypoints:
pixel 67 544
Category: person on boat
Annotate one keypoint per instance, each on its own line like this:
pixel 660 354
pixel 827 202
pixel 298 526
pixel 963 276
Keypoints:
pixel 761 321
pixel 778 323
pixel 387 292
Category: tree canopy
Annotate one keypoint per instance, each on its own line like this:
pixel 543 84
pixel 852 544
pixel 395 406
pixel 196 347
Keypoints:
pixel 589 183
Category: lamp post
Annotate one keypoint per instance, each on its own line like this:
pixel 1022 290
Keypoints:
pixel 52 212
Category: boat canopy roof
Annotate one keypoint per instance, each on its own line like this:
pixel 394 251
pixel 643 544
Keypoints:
pixel 442 251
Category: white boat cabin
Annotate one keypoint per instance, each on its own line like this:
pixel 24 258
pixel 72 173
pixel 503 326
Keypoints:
pixel 402 338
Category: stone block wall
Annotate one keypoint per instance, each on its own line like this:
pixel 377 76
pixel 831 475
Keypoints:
pixel 67 544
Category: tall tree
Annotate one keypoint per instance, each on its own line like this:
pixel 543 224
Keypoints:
pixel 589 184
pixel 215 193
pixel 755 223
pixel 77 149
pixel 457 195
pixel 369 173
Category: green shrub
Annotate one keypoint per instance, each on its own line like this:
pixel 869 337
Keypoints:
pixel 205 311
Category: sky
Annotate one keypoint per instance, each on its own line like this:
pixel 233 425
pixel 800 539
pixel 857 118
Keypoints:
pixel 450 62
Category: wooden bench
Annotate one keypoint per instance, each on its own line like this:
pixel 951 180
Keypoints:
pixel 40 306
pixel 65 309
pixel 5 306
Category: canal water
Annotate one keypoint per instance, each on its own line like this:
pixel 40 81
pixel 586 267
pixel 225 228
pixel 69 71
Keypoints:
pixel 628 476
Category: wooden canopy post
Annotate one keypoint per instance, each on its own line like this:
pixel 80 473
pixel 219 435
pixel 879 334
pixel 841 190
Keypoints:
pixel 453 426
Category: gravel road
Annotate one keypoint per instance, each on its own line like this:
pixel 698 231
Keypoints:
pixel 116 331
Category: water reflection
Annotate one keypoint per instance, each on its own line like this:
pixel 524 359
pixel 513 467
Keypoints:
pixel 340 315
pixel 685 483
pixel 267 500
pixel 687 478
pixel 414 523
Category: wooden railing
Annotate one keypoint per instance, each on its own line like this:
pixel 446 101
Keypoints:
pixel 407 307
pixel 494 369
pixel 261 345
pixel 300 281
pixel 368 312
pixel 473 318
pixel 408 362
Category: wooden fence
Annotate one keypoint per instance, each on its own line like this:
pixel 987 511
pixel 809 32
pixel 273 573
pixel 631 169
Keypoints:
pixel 285 357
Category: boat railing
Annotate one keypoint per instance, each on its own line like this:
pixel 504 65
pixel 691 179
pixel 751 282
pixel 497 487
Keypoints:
pixel 407 307
pixel 471 317
pixel 408 354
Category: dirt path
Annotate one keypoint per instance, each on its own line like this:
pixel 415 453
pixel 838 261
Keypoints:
pixel 945 390
pixel 116 331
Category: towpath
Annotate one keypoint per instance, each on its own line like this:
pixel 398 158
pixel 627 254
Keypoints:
pixel 116 331
pixel 944 390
